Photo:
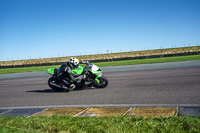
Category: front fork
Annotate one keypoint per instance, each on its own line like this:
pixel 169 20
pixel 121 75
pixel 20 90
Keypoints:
pixel 98 76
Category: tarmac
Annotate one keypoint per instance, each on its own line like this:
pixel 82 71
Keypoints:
pixel 182 98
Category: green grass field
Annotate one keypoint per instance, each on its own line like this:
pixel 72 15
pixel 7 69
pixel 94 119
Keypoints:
pixel 124 124
pixel 103 64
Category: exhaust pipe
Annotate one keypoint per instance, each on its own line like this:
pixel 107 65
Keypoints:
pixel 53 84
pixel 66 82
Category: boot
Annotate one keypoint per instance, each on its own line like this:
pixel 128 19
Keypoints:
pixel 72 87
pixel 65 89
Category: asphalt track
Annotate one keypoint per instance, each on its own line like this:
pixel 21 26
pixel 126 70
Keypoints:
pixel 161 84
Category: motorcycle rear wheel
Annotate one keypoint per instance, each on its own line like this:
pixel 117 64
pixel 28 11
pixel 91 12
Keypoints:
pixel 103 82
pixel 53 79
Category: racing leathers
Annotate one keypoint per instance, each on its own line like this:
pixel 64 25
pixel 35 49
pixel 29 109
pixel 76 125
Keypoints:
pixel 66 78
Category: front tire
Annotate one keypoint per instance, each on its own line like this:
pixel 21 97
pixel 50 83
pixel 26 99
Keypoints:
pixel 53 79
pixel 103 82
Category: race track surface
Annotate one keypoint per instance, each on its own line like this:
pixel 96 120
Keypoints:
pixel 161 83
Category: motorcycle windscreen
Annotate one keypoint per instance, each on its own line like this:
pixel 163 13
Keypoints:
pixel 95 69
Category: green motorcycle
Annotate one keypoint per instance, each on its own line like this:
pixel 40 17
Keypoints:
pixel 94 77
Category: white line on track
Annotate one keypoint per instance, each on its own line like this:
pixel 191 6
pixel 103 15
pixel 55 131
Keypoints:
pixel 105 105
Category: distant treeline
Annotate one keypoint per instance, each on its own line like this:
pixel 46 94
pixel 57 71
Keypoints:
pixel 107 60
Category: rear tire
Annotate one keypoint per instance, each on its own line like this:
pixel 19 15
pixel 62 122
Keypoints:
pixel 53 79
pixel 103 82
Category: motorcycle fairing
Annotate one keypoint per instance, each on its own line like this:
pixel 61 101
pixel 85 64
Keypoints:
pixel 50 71
pixel 97 71
pixel 78 71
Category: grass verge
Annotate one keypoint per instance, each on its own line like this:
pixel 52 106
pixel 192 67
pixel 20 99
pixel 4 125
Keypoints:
pixel 104 64
pixel 69 124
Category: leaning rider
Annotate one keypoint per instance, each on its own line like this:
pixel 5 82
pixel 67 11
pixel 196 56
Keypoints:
pixel 65 74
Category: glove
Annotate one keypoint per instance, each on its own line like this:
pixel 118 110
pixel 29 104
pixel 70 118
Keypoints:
pixel 81 77
pixel 84 76
pixel 85 62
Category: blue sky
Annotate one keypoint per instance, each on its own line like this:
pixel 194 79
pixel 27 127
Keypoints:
pixel 53 28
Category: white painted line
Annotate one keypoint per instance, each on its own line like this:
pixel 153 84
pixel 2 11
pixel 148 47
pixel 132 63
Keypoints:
pixel 7 111
pixel 128 110
pixel 80 113
pixel 105 105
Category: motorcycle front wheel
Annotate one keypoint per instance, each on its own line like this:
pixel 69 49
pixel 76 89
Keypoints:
pixel 102 84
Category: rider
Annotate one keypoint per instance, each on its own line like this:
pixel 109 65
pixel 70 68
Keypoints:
pixel 65 74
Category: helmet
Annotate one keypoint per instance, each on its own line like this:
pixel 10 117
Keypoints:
pixel 74 63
